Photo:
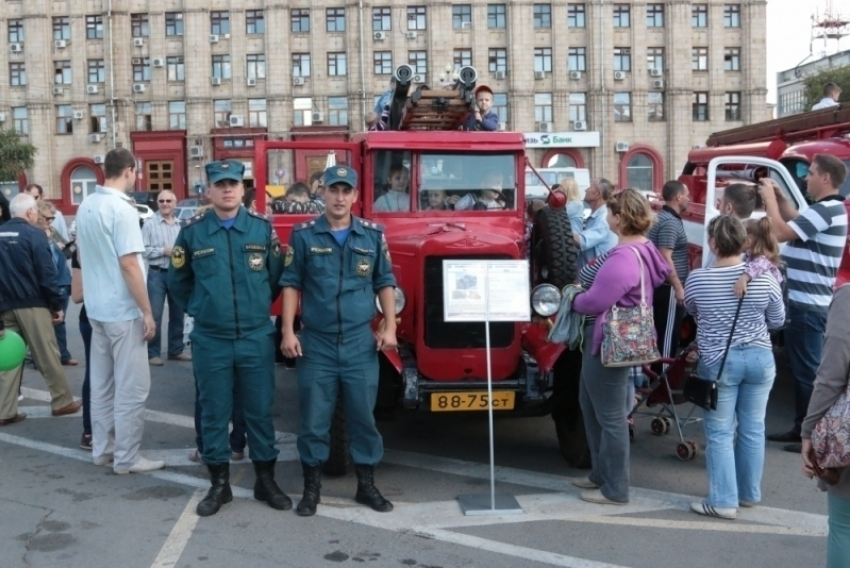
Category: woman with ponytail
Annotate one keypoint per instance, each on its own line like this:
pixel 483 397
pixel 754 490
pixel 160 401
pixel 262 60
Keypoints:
pixel 761 253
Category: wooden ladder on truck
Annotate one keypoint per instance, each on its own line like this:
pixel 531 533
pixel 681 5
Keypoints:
pixel 812 125
pixel 445 108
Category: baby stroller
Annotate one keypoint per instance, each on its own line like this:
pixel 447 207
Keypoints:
pixel 665 392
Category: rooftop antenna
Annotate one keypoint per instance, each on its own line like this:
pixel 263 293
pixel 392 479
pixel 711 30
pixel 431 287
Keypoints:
pixel 831 26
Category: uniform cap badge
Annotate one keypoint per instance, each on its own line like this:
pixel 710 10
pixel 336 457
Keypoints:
pixel 341 172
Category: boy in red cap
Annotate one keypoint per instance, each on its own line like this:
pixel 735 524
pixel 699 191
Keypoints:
pixel 483 118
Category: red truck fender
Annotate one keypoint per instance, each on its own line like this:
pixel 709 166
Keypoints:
pixel 535 342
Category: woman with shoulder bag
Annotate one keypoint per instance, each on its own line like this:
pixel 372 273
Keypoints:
pixel 603 390
pixel 735 430
pixel 831 385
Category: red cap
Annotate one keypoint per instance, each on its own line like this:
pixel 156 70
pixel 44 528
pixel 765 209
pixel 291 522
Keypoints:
pixel 483 88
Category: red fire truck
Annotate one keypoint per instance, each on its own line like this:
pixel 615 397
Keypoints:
pixel 441 367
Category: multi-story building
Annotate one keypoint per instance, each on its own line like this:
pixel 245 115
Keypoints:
pixel 791 87
pixel 625 89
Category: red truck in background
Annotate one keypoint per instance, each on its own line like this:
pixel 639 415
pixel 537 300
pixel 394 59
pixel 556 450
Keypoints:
pixel 781 149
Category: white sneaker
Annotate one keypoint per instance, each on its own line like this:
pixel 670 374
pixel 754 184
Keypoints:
pixel 728 513
pixel 104 460
pixel 584 483
pixel 142 466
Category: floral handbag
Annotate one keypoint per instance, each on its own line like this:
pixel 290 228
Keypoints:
pixel 831 435
pixel 628 334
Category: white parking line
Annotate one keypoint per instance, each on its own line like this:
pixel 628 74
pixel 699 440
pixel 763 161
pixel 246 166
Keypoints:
pixel 179 537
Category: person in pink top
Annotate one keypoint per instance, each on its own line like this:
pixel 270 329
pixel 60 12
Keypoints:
pixel 603 389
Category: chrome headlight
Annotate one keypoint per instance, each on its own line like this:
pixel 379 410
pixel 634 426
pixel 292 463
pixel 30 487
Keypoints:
pixel 400 301
pixel 545 300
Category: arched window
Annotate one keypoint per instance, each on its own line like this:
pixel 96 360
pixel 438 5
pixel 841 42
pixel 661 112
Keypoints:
pixel 639 172
pixel 561 161
pixel 83 182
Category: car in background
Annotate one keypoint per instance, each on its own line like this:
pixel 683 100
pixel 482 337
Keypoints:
pixel 192 202
pixel 147 198
pixel 145 212
pixel 183 213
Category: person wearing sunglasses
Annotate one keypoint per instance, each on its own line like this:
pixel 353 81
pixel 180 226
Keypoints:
pixel 159 235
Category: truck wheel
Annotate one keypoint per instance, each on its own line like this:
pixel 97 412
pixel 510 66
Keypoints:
pixel 339 459
pixel 554 255
pixel 569 422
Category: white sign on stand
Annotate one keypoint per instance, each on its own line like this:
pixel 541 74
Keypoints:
pixel 487 290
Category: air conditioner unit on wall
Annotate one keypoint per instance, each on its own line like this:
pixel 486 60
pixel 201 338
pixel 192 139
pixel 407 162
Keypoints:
pixel 138 42
pixel 539 75
pixel 298 81
pixel 58 90
pixel 213 38
pixel 655 72
pixel 658 84
pixel 579 125
pixel 318 117
pixel 139 88
pixel 60 44
pixel 98 159
pixel 79 115
pixel 196 152
pixel 412 35
pixel 418 78
pixel 621 147
pixel 544 127
pixel 501 75
pixel 379 36
pixel 215 80
pixel 236 120
pixel 158 62
pixel 91 89
pixel 251 82
pixel 619 75
pixel 95 138
pixel 575 75
pixel 16 47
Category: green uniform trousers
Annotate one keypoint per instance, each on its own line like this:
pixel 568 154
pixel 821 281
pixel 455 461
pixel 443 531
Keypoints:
pixel 247 364
pixel 327 366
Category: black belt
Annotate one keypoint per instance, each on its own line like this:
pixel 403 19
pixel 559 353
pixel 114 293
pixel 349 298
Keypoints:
pixel 158 268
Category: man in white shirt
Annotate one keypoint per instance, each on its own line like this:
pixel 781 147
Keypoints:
pixel 831 92
pixel 111 247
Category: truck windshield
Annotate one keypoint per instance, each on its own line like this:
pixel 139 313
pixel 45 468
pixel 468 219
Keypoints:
pixel 467 182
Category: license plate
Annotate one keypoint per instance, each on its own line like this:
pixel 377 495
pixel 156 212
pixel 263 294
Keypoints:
pixel 462 401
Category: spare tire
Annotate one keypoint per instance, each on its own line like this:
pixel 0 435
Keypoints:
pixel 554 254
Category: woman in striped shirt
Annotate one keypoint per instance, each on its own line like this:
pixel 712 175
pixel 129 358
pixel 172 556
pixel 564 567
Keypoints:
pixel 735 431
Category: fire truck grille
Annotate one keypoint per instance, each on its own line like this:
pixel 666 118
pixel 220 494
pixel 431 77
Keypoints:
pixel 457 335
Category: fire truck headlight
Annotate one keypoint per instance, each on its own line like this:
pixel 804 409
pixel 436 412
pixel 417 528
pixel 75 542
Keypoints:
pixel 545 300
pixel 400 301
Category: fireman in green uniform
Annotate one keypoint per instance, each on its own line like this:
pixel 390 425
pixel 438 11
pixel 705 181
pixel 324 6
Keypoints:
pixel 225 267
pixel 337 263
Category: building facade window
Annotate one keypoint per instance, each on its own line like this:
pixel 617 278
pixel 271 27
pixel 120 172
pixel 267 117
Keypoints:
pixel 338 111
pixel 561 160
pixel 655 106
pixel 496 16
pixel 500 106
pixel 16 31
pixel 640 172
pixel 299 21
pixel 335 19
pixel 542 16
pixel 96 71
pixel 255 22
pixel 543 59
pixel 576 15
pixel 382 19
pixel 462 58
pixel 97 118
pixel 622 107
pixel 622 16
pixel 257 113
pixel 83 183
pixel 578 107
pixel 62 27
pixel 699 107
pixel 140 25
pixel 733 106
pixel 21 120
pixel 792 102
pixel 418 60
pixel 174 23
pixel 732 16
pixel 62 74
pixel 699 16
pixel 303 108
pixel 141 69
pixel 301 64
pixel 175 70
pixel 543 107
pixel 383 62
pixel 222 109
pixel 622 59
pixel 17 74
pixel 94 27
pixel 255 65
pixel 462 16
pixel 498 60
pixel 221 67
pixel 144 116
pixel 577 59
pixel 417 18
pixel 655 15
pixel 732 59
pixel 699 58
pixel 337 64
pixel 176 115
pixel 219 22
pixel 64 119
pixel 655 58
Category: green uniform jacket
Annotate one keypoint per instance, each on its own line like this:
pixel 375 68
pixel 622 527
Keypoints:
pixel 226 279
pixel 337 284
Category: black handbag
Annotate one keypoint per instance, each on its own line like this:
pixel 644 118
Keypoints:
pixel 703 392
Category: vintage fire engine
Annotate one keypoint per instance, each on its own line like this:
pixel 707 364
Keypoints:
pixel 447 211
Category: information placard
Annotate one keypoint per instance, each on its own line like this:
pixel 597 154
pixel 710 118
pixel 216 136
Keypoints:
pixel 486 290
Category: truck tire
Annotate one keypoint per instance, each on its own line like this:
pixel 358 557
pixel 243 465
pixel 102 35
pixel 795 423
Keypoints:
pixel 554 255
pixel 339 458
pixel 566 413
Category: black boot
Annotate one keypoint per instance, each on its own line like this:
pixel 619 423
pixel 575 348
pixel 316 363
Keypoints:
pixel 367 493
pixel 312 485
pixel 219 493
pixel 265 488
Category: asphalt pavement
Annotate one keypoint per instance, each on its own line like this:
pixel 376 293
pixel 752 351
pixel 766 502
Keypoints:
pixel 59 510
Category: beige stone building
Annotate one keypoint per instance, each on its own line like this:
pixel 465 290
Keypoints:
pixel 625 89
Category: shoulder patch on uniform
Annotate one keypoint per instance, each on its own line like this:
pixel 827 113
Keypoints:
pixel 258 215
pixel 371 225
pixel 301 226
pixel 192 220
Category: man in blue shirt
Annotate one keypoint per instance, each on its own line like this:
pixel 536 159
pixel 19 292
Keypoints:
pixel 596 238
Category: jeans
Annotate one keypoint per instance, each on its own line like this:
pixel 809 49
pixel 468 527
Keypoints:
pixel 735 431
pixel 60 330
pixel 86 331
pixel 158 292
pixel 838 543
pixel 238 439
pixel 803 344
